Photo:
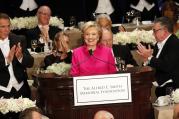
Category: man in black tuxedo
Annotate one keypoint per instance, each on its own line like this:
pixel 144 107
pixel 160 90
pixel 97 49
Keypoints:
pixel 118 50
pixel 165 56
pixel 14 59
pixel 44 32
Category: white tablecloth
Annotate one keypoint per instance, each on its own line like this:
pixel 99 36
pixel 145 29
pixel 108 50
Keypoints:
pixel 164 112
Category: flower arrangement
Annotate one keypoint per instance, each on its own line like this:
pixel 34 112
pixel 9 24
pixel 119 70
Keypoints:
pixel 31 22
pixel 58 68
pixel 177 34
pixel 15 105
pixel 175 96
pixel 134 37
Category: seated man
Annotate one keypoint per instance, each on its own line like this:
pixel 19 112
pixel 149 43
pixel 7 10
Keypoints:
pixel 43 33
pixel 102 114
pixel 104 21
pixel 121 51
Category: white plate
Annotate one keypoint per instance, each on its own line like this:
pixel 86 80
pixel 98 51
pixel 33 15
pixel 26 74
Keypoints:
pixel 156 104
pixel 146 22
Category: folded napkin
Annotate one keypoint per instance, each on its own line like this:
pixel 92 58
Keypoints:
pixel 162 100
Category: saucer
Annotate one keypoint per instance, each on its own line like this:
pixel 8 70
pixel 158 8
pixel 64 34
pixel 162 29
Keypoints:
pixel 156 104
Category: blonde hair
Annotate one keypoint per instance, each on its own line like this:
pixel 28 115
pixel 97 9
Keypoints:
pixel 91 24
pixel 103 16
pixel 59 37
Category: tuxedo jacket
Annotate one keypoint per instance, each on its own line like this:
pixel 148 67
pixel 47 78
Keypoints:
pixel 34 34
pixel 123 51
pixel 50 59
pixel 167 64
pixel 18 68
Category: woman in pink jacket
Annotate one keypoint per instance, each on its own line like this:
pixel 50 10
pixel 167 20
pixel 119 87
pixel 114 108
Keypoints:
pixel 92 58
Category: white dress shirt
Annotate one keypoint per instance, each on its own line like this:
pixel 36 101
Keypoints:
pixel 104 6
pixel 28 4
pixel 5 48
pixel 143 4
pixel 46 46
pixel 160 45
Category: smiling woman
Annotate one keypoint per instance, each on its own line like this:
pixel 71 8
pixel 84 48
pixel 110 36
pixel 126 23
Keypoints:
pixel 92 58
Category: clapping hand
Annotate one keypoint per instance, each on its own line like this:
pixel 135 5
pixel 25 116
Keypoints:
pixel 144 52
pixel 14 51
pixel 18 52
pixel 10 56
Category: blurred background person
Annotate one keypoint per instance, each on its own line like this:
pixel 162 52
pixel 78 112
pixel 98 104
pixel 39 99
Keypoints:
pixel 170 10
pixel 103 114
pixel 43 33
pixel 31 113
pixel 61 51
pixel 92 58
pixel 165 56
pixel 104 21
pixel 118 50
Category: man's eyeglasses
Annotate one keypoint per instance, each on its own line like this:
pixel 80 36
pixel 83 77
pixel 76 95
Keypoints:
pixel 156 30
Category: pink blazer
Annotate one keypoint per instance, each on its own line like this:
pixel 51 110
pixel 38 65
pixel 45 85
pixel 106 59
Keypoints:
pixel 100 62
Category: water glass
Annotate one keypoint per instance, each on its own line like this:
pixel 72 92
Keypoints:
pixel 72 21
pixel 50 45
pixel 120 64
pixel 169 91
pixel 34 44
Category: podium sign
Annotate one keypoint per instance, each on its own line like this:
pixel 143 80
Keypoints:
pixel 102 89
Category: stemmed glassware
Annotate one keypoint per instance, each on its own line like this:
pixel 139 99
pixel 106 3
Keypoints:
pixel 50 45
pixel 130 15
pixel 72 21
pixel 34 44
pixel 169 91
pixel 120 64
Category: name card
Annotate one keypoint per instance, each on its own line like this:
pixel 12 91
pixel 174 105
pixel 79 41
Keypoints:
pixel 102 89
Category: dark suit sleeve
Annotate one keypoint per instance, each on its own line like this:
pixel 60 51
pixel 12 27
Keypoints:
pixel 50 59
pixel 27 60
pixel 123 51
pixel 68 58
pixel 169 56
pixel 128 58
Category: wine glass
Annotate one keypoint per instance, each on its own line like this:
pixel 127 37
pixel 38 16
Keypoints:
pixel 138 17
pixel 120 64
pixel 72 21
pixel 128 16
pixel 41 45
pixel 169 91
pixel 34 44
pixel 50 45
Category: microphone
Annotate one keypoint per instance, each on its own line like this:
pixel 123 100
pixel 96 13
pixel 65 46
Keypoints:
pixel 90 52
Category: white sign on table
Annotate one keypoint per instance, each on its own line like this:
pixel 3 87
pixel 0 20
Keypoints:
pixel 102 89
